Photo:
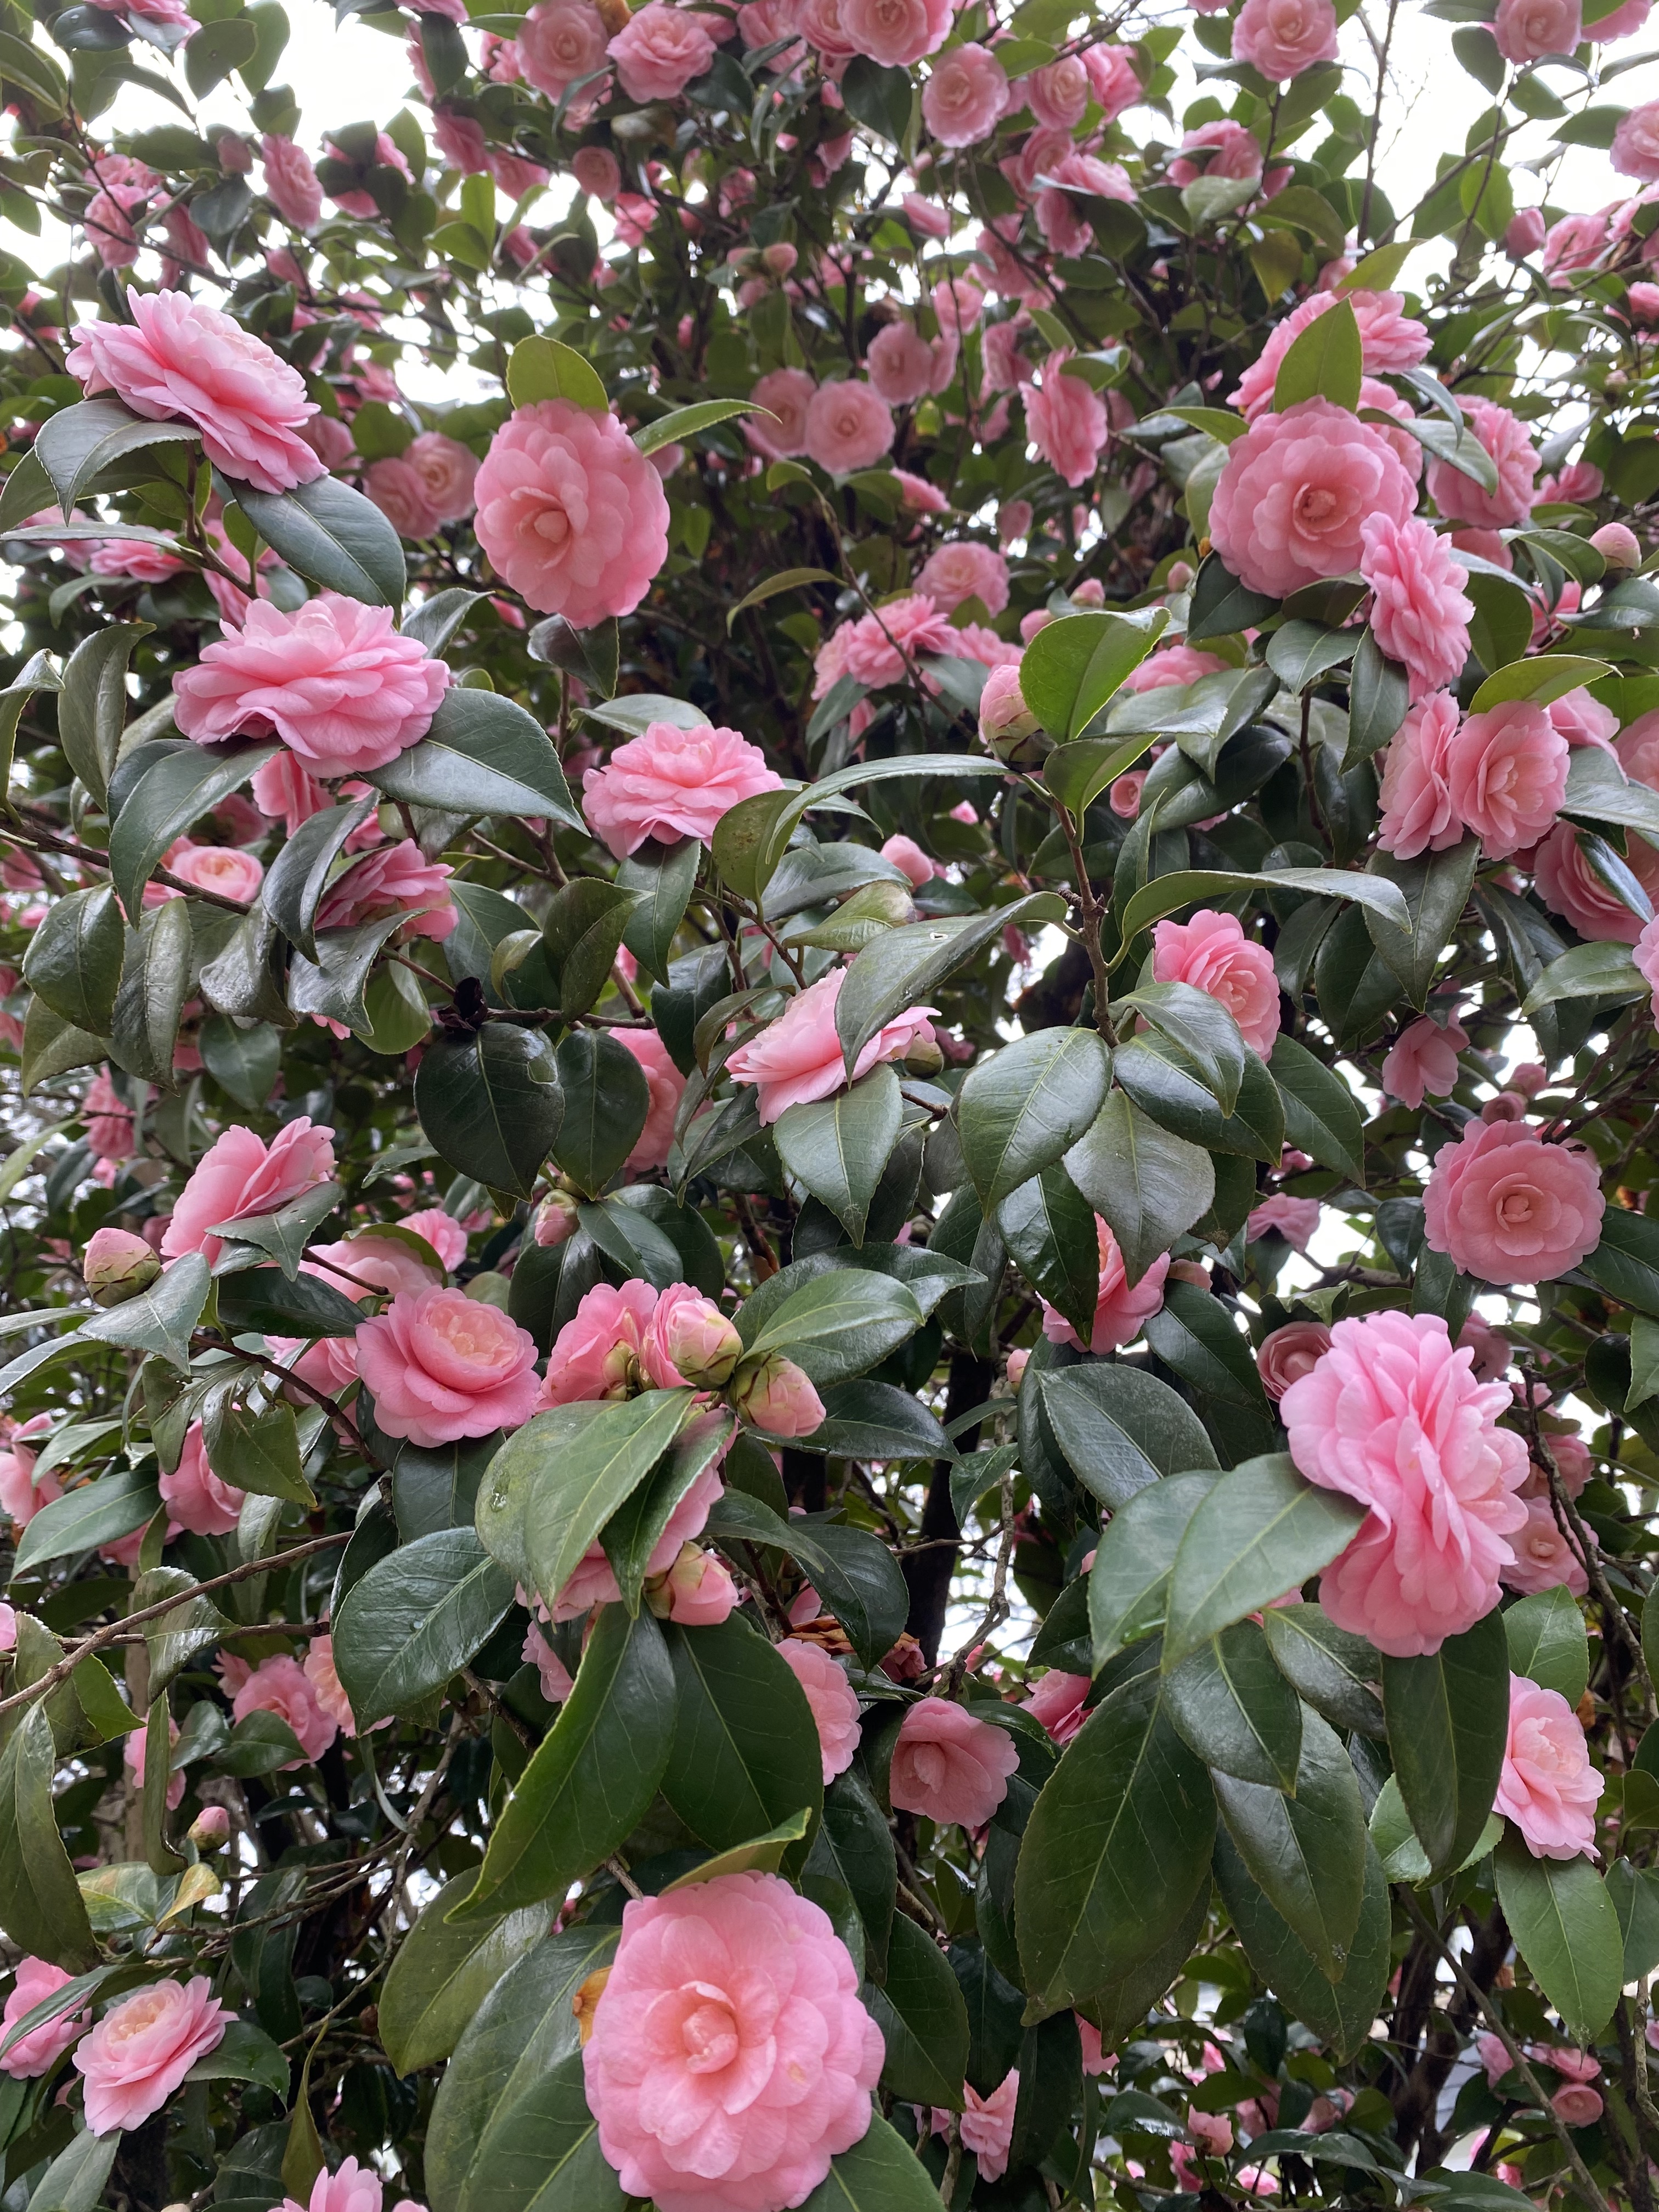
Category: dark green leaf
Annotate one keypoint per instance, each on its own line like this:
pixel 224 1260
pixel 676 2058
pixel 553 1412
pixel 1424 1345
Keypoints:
pixel 838 1148
pixel 665 877
pixel 836 1325
pixel 257 1452
pixel 1163 1082
pixel 904 967
pixel 1547 1642
pixel 1307 1852
pixel 443 1970
pixel 880 2173
pixel 1048 1228
pixel 1204 1030
pixel 1567 1930
pixel 1121 1428
pixel 78 443
pixel 491 1104
pixel 154 984
pixel 296 879
pixel 1448 1718
pixel 635 1528
pixel 745 1752
pixel 1436 890
pixel 1321 1115
pixel 1129 1581
pixel 1194 1336
pixel 924 2022
pixel 414 1620
pixel 41 1908
pixel 332 536
pixel 1342 2013
pixel 573 1468
pixel 1018 1111
pixel 1237 1710
pixel 92 705
pixel 1379 697
pixel 74 958
pixel 1148 1185
pixel 1073 666
pixel 483 755
pixel 263 1300
pixel 171 795
pixel 582 931
pixel 1333 1671
pixel 1261 1532
pixel 161 1319
pixel 606 1099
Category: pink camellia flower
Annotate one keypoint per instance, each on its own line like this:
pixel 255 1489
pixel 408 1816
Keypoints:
pixel 281 1685
pixel 964 97
pixel 1583 720
pixel 1122 1309
pixel 834 1702
pixel 1212 2132
pixel 963 571
pixel 1618 544
pixel 1212 953
pixel 144 2047
pixel 947 1766
pixel 39 2051
pixel 554 1677
pixel 1295 1219
pixel 222 868
pixel 1624 22
pixel 181 359
pixel 1493 2054
pixel 393 879
pixel 1419 814
pixel 874 648
pixel 446 1236
pixel 1636 143
pixel 193 1494
pixel 326 1689
pixel 798 1057
pixel 904 853
pixel 786 393
pixel 1058 93
pixel 353 2188
pixel 1460 498
pixel 1173 665
pixel 571 514
pixel 441 1366
pixel 239 1177
pixel 1543 1559
pixel 336 681
pixel 108 1120
pixel 667 1088
pixel 135 1752
pixel 291 184
pixel 1114 80
pixel 660 51
pixel 1526 30
pixel 359 1266
pixel 1423 1060
pixel 987 2124
pixel 1389 339
pixel 1509 1208
pixel 1057 1701
pixel 1005 720
pixel 559 43
pixel 672 783
pixel 1287 1354
pixel 699 1588
pixel 1576 2104
pixel 597 171
pixel 21 1493
pixel 1569 885
pixel 1524 234
pixel 597 1352
pixel 1392 1416
pixel 1547 1787
pixel 688 1340
pixel 1224 149
pixel 1645 953
pixel 849 426
pixel 1295 492
pixel 900 364
pixel 1067 421
pixel 1506 773
pixel 127 187
pixel 1420 614
pixel 895 33
pixel 400 491
pixel 1282 37
pixel 777 1398
pixel 730 2057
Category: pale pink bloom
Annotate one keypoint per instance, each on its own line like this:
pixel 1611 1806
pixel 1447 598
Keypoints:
pixel 239 1177
pixel 1423 1060
pixel 596 1354
pixel 1548 1787
pixel 1057 1701
pixel 400 491
pixel 904 853
pixel 1622 24
pixel 1392 1416
pixel 1506 772
pixel 1576 2104
pixel 849 426
pixel 930 219
pixel 957 303
pixel 987 2124
pixel 1493 2054
pixel 704 1587
pixel 900 364
pixel 327 1691
pixel 699 1589
pixel 1526 30
pixel 458 137
pixel 281 1685
pixel 1095 2060
pixel 874 647
pixel 1223 149
pixel 832 1699
pixel 144 2047
pixel 1543 1559
pixel 284 790
pixel 965 570
pixel 687 1339
pixel 336 681
pixel 1569 885
pixel 22 1495
pixel 128 187
pixel 359 1266
pixel 1524 234
pixel 1294 493
pixel 1389 339
pixel 667 1088
pixel 1173 665
pixel 135 1752
pixel 1505 437
pixel 554 1675
pixel 965 96
pixel 441 1366
pixel 1509 1208
pixel 1636 143
pixel 1212 2132
pixel 393 879
pixel 597 171
pixel 1066 419
pixel 1287 1354
pixel 195 1497
pixel 38 2051
pixel 328 437
pixel 895 33
pixel 672 783
pixel 220 868
pixel 1583 720
pixel 1005 720
pixel 559 42
pixel 1122 1309
pixel 1637 748
pixel 1420 614
pixel 108 1120
pixel 798 1057
pixel 1618 544
pixel 1418 810
pixel 1282 37
pixel 918 495
pixel 1017 1361
pixel 786 393
pixel 1295 1219
pixel 1489 1347
pixel 731 2058
pixel 180 358
pixel 659 50
pixel 571 514
pixel 777 1397
pixel 950 1766
pixel 1212 953
pixel 1058 93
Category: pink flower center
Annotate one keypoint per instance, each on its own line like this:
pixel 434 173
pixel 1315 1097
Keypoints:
pixel 1314 505
pixel 552 524
pixel 709 2034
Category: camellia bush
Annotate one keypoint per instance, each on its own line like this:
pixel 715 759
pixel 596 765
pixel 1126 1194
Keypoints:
pixel 828 1064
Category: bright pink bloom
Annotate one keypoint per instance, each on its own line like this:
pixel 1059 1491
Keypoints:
pixel 336 681
pixel 1389 339
pixel 1583 720
pixel 392 879
pixel 554 1677
pixel 1173 665
pixel 1526 30
pixel 667 1088
pixel 1212 2132
pixel 777 1397
pixel 1509 1208
pixel 280 1686
pixel 1419 814
pixel 1067 421
pixel 731 2058
pixel 291 184
pixel 1543 1559
pixel 1058 93
pixel 786 393
pixel 1295 492
pixel 180 358
pixel 947 1766
pixel 1057 1701
pixel 672 783
pixel 441 1365
pixel 108 1120
pixel 688 1340
pixel 1114 79
pixel 359 1266
pixel 660 51
pixel 594 1584
pixel 1223 148
pixel 1212 953
pixel 239 1177
pixel 38 2051
pixel 571 514
pixel 1576 2104
pixel 849 426
pixel 1393 1417
pixel 1548 1787
pixel 798 1056
pixel 873 648
pixel 1418 611
pixel 1636 143
pixel 1646 956
pixel 447 470
pixel 1506 771
pixel 1524 234
pixel 559 42
pixel 1460 498
pixel 127 188
pixel 144 2047
pixel 22 1495
pixel 1123 1307
pixel 134 1753
pixel 835 1704
pixel 1295 1219
pixel 987 2124
pixel 904 853
pixel 1289 1353
pixel 895 32
pixel 220 868
pixel 1569 885
pixel 1282 37
pixel 195 1497
pixel 964 570
pixel 597 1352
pixel 1423 1060
pixel 964 99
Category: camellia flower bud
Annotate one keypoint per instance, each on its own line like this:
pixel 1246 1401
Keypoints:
pixel 118 1266
pixel 694 1338
pixel 556 1219
pixel 211 1830
pixel 776 1395
pixel 1006 725
pixel 1525 234
pixel 1618 544
pixel 924 1057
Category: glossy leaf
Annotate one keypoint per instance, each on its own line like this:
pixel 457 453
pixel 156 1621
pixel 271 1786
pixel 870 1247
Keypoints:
pixel 837 1148
pixel 1306 1852
pixel 491 1104
pixel 1340 2013
pixel 41 1908
pixel 1121 1429
pixel 1448 1717
pixel 481 755
pixel 1567 1930
pixel 74 958
pixel 744 1754
pixel 606 1099
pixel 1261 1532
pixel 443 1970
pixel 331 535
pixel 414 1620
pixel 1148 1185
pixel 903 966
pixel 1020 1110
pixel 924 2022
pixel 1237 1711
pixel 1075 663
pixel 1547 1642
pixel 1129 1581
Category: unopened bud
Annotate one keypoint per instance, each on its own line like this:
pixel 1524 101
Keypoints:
pixel 1618 544
pixel 1090 592
pixel 924 1057
pixel 1016 1359
pixel 211 1830
pixel 1007 727
pixel 1525 234
pixel 1181 575
pixel 118 1266
pixel 776 1397
pixel 780 258
pixel 688 1340
pixel 556 1219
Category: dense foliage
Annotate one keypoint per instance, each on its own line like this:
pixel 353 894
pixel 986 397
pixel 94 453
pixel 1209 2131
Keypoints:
pixel 831 1337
